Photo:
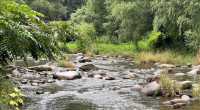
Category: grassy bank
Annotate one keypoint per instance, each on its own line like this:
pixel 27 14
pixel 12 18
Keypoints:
pixel 128 49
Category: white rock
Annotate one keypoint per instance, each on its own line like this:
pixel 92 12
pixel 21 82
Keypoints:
pixel 166 66
pixel 67 75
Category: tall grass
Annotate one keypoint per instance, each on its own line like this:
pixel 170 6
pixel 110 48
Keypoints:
pixel 169 57
pixel 169 86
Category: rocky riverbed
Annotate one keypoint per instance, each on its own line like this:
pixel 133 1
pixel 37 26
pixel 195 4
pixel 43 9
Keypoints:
pixel 101 83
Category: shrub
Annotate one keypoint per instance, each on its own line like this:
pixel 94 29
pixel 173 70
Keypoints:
pixel 150 42
pixel 86 33
pixel 169 86
pixel 10 97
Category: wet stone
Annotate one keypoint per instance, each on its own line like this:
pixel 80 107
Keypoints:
pixel 34 84
pixel 39 92
pixel 109 78
pixel 51 81
pixel 24 81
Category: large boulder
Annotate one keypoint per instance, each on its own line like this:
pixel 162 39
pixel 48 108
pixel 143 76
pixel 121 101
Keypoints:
pixel 67 75
pixel 151 89
pixel 40 68
pixel 87 67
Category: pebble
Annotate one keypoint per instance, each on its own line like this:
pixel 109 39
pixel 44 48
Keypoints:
pixel 24 81
pixel 34 84
pixel 39 92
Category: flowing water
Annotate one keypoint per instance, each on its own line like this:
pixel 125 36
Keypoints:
pixel 95 94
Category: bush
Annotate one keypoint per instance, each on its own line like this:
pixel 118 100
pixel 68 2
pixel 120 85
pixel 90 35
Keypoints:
pixel 86 34
pixel 150 42
pixel 10 97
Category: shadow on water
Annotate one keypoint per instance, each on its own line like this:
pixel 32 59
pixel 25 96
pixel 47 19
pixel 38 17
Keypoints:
pixel 69 103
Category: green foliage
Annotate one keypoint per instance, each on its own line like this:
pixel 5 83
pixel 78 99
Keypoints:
pixel 10 97
pixel 133 19
pixel 62 32
pixel 86 33
pixel 21 25
pixel 150 41
pixel 94 11
pixel 178 20
pixel 52 10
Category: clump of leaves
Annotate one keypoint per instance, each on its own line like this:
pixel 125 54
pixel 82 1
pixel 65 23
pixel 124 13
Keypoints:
pixel 86 34
pixel 23 33
pixel 169 87
pixel 10 96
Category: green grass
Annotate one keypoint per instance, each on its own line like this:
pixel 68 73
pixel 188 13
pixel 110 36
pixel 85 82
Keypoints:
pixel 73 48
pixel 107 49
pixel 129 50
pixel 114 49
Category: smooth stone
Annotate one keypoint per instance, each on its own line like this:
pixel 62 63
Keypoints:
pixel 16 73
pixel 85 59
pixel 108 78
pixel 166 66
pixel 185 84
pixel 179 74
pixel 43 73
pixel 88 67
pixel 151 89
pixel 196 67
pixel 39 92
pixel 153 78
pixel 98 76
pixel 137 88
pixel 130 76
pixel 67 75
pixel 41 68
pixel 51 81
pixel 193 72
pixel 185 97
pixel 34 84
pixel 178 102
pixel 24 81
pixel 30 76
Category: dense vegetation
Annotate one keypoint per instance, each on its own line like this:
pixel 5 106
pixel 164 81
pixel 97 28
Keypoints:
pixel 44 28
pixel 134 20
